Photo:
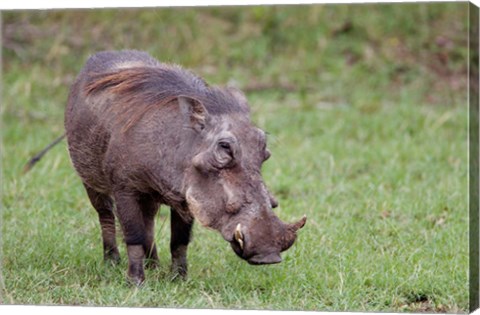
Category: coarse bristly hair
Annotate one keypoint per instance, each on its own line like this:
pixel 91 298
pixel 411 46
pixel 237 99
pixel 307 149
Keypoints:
pixel 138 90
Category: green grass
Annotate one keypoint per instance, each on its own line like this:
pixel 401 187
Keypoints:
pixel 369 140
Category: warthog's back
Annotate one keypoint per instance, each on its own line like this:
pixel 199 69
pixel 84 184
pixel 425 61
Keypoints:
pixel 110 60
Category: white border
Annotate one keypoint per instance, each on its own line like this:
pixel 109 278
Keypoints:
pixel 80 310
pixel 69 4
pixel 64 4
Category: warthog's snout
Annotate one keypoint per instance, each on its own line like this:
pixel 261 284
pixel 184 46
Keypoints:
pixel 262 246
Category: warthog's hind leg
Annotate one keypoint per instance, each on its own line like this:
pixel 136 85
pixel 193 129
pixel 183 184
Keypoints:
pixel 104 206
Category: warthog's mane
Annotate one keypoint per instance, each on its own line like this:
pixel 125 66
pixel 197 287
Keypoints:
pixel 138 90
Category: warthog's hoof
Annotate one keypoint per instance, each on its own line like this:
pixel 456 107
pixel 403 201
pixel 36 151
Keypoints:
pixel 112 257
pixel 179 271
pixel 152 263
pixel 136 280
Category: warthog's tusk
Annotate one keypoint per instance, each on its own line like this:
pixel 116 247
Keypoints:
pixel 238 235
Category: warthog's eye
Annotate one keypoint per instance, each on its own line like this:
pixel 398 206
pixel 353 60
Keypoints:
pixel 226 146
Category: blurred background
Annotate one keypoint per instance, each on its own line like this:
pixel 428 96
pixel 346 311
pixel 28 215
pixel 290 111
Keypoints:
pixel 337 54
pixel 366 110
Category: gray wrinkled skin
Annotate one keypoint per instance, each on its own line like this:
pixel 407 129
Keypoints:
pixel 141 133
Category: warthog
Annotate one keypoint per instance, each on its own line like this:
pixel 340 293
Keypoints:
pixel 141 133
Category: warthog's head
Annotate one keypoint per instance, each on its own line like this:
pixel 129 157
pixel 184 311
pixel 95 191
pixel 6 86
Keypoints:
pixel 224 187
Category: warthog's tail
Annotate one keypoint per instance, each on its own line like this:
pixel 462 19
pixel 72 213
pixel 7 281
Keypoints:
pixel 40 154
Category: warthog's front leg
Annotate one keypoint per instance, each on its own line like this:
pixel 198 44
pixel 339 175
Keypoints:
pixel 131 219
pixel 180 237
pixel 149 210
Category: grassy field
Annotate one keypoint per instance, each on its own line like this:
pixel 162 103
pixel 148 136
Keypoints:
pixel 365 106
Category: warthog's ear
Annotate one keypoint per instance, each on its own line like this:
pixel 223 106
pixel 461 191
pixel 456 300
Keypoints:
pixel 193 111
